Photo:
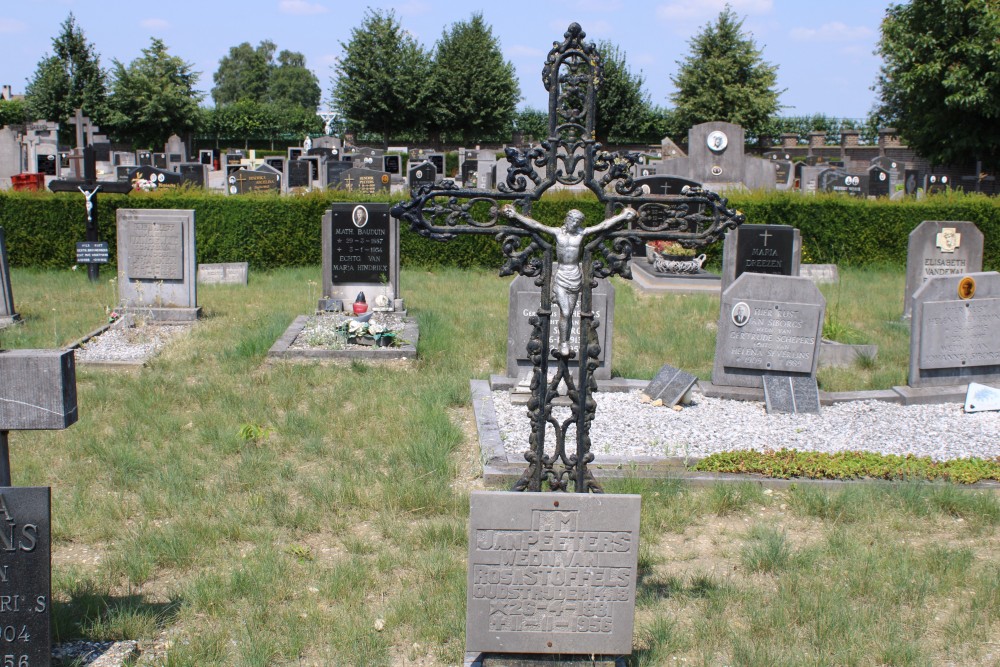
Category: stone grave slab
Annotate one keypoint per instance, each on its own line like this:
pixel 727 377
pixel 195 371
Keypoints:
pixel 768 325
pixel 578 552
pixel 8 315
pixel 953 333
pixel 524 300
pixel 820 273
pixel 981 398
pixel 26 575
pixel 228 273
pixel 787 394
pixel 670 385
pixel 361 254
pixel 39 390
pixel 245 181
pixel 766 249
pixel 940 248
pixel 156 263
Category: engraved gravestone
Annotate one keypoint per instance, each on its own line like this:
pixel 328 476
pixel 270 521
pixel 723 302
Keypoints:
pixel 244 181
pixel 953 334
pixel 551 573
pixel 193 173
pixel 391 164
pixel 155 179
pixel 25 576
pixel 768 325
pixel 7 313
pixel 361 254
pixel 525 297
pixel 940 248
pixel 424 173
pixel 156 263
pixel 878 182
pixel 227 273
pixel 333 170
pixel 365 181
pixel 770 249
pixel 787 394
pixel 670 385
pixel 297 173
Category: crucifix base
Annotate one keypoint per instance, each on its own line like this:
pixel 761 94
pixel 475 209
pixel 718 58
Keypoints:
pixel 524 660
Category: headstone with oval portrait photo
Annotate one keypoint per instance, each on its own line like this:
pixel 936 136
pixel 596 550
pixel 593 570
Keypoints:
pixel 361 255
pixel 768 325
pixel 940 248
pixel 422 174
pixel 878 182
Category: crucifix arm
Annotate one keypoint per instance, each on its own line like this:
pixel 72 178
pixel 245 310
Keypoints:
pixel 509 211
pixel 627 214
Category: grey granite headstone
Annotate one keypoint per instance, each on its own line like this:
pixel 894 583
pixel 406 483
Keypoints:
pixel 551 573
pixel 770 249
pixel 361 254
pixel 787 394
pixel 670 385
pixel 156 262
pixel 940 248
pixel 768 325
pixel 525 298
pixel 26 576
pixel 820 273
pixel 37 389
pixel 980 398
pixel 229 273
pixel 7 313
pixel 953 340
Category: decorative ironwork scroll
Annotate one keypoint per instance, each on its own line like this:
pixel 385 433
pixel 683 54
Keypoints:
pixel 567 261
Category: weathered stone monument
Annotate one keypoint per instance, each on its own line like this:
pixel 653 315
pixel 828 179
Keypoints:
pixel 157 270
pixel 574 550
pixel 8 315
pixel 716 157
pixel 940 248
pixel 360 255
pixel 768 325
pixel 954 331
pixel 37 392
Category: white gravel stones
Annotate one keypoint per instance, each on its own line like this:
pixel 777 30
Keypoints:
pixel 128 344
pixel 321 330
pixel 625 427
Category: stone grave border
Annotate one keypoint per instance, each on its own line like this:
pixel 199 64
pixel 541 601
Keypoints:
pixel 117 365
pixel 499 470
pixel 282 348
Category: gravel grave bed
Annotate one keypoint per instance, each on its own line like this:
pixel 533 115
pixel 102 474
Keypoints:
pixel 128 344
pixel 626 427
pixel 321 331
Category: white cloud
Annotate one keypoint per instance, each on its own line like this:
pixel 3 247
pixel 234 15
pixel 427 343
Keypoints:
pixel 301 7
pixel 12 25
pixel 412 8
pixel 701 10
pixel 832 32
pixel 154 24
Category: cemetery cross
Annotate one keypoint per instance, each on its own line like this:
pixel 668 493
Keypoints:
pixel 89 186
pixel 569 157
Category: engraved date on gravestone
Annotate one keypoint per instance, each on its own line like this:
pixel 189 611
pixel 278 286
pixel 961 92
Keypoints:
pixel 960 334
pixel 771 336
pixel 552 573
pixel 155 251
pixel 25 575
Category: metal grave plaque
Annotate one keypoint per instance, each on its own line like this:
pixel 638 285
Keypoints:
pixel 156 250
pixel 552 572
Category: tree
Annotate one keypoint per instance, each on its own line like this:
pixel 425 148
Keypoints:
pixel 292 83
pixel 244 73
pixel 724 78
pixel 940 79
pixel 474 90
pixel 153 97
pixel 68 80
pixel 381 81
pixel 624 110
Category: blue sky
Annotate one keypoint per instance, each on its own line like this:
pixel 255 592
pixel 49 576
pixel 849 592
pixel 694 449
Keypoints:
pixel 823 50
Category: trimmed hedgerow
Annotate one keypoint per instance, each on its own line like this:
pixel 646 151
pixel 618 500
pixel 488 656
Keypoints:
pixel 270 231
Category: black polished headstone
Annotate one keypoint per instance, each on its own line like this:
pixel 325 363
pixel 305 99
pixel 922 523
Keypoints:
pixel 367 181
pixel 391 164
pixel 791 394
pixel 160 160
pixel 158 178
pixel 144 158
pixel 334 170
pixel 360 246
pixel 245 181
pixel 878 182
pixel 670 385
pixel 298 173
pixel 102 152
pixel 424 173
pixel 25 576
pixel 46 164
pixel 765 249
pixel 665 185
pixel 193 173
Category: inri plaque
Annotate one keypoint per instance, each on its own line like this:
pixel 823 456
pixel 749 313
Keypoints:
pixel 552 572
pixel 25 576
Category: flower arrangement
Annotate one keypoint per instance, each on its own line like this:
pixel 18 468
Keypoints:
pixel 671 248
pixel 382 336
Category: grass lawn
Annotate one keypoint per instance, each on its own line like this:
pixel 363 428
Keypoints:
pixel 252 513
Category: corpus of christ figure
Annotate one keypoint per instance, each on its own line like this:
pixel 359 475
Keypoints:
pixel 568 277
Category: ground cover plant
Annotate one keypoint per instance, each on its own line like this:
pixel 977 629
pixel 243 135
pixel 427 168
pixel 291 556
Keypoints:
pixel 242 512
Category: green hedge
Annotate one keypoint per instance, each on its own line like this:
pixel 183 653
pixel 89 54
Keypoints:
pixel 269 231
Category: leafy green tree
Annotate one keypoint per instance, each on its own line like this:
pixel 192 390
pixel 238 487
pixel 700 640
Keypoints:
pixel 624 110
pixel 725 78
pixel 13 112
pixel 292 83
pixel 244 73
pixel 940 79
pixel 69 79
pixel 474 90
pixel 381 81
pixel 153 97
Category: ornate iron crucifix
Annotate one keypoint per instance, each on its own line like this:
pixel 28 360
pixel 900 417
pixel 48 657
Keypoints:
pixel 567 261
